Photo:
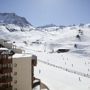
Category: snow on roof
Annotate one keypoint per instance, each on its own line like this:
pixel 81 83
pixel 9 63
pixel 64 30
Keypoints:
pixel 21 55
pixel 5 49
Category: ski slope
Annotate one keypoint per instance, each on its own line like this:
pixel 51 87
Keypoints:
pixel 59 71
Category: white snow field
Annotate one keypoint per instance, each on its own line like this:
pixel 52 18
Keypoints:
pixel 59 71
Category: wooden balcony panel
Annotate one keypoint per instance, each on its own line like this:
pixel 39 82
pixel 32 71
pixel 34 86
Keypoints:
pixel 5 70
pixel 9 88
pixel 5 61
pixel 6 88
pixel 5 79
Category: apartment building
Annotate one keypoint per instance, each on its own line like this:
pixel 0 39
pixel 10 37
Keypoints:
pixel 5 70
pixel 17 71
pixel 23 72
pixel 9 45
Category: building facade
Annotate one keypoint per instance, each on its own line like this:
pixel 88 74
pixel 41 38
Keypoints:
pixel 17 72
pixel 23 69
pixel 5 71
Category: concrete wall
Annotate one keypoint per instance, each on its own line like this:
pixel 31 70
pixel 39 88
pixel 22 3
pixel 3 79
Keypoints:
pixel 24 73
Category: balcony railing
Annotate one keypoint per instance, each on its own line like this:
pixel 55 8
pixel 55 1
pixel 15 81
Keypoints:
pixel 36 83
pixel 5 70
pixel 5 79
pixel 6 88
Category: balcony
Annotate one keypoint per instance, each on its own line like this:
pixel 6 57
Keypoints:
pixel 36 82
pixel 6 88
pixel 5 70
pixel 5 61
pixel 34 62
pixel 5 79
pixel 38 85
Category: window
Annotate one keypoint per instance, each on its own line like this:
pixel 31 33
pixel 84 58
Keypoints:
pixel 15 81
pixel 15 65
pixel 15 88
pixel 15 73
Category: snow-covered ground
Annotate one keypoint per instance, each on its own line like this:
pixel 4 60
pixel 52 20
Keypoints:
pixel 63 71
pixel 59 71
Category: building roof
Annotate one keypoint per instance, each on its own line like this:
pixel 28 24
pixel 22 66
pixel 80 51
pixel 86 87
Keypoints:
pixel 3 49
pixel 21 55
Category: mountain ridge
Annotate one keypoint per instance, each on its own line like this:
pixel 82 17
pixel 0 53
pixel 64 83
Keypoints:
pixel 12 18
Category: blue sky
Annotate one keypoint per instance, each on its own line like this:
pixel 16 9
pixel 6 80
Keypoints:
pixel 42 12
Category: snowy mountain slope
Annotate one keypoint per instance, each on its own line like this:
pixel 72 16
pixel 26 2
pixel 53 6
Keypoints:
pixel 12 18
pixel 41 43
pixel 59 71
pixel 62 38
pixel 13 22
pixel 50 27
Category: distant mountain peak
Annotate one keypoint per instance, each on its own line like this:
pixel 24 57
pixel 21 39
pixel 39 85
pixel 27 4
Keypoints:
pixel 47 26
pixel 12 18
